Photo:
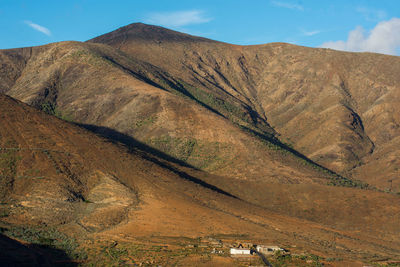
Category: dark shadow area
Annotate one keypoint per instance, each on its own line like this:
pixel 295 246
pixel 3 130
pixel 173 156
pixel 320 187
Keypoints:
pixel 179 87
pixel 14 253
pixel 190 178
pixel 162 76
pixel 133 145
pixel 137 75
pixel 339 179
pixel 283 146
pixel 263 258
pixel 150 154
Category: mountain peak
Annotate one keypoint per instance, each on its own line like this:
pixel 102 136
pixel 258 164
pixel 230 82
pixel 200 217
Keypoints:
pixel 145 32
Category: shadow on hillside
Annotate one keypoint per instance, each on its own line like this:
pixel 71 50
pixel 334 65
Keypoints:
pixel 150 154
pixel 335 178
pixel 130 142
pixel 282 146
pixel 14 253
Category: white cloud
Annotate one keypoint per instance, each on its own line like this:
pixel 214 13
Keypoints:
pixel 287 5
pixel 384 38
pixel 372 14
pixel 38 28
pixel 178 18
pixel 310 33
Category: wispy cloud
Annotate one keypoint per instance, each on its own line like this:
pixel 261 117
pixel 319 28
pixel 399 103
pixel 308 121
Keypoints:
pixel 310 33
pixel 384 38
pixel 287 5
pixel 371 14
pixel 38 27
pixel 178 18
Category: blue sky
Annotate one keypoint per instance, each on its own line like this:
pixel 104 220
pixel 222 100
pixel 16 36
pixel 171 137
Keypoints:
pixel 364 25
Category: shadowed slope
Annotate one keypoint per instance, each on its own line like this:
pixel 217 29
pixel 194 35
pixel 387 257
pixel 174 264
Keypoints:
pixel 14 253
pixel 334 107
pixel 95 84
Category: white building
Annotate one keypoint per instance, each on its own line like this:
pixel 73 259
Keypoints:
pixel 268 249
pixel 240 251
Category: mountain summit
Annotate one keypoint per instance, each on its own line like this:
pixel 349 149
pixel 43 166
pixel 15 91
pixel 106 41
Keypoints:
pixel 145 32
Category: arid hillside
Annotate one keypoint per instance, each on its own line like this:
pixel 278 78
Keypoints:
pixel 61 183
pixel 96 85
pixel 214 105
pixel 339 109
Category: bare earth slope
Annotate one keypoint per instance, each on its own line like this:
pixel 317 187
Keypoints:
pixel 12 63
pixel 340 109
pixel 96 85
pixel 60 176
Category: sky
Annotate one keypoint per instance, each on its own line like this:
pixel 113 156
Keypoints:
pixel 350 25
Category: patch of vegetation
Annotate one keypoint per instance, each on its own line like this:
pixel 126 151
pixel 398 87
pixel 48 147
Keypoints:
pixel 146 121
pixel 48 236
pixel 333 259
pixel 138 254
pixel 8 164
pixel 232 111
pixel 8 169
pixel 51 109
pixel 30 177
pixel 279 259
pixel 4 213
pixel 31 174
pixel 198 153
pixel 180 148
pixel 211 155
pixel 226 108
pixel 53 161
pixel 117 255
pixel 90 58
pixel 337 180
pixel 267 139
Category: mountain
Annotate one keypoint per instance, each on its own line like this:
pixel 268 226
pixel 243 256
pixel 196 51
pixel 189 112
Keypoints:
pixel 134 102
pixel 198 138
pixel 307 95
pixel 144 102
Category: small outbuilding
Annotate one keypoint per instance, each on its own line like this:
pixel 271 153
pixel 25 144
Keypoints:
pixel 269 249
pixel 240 251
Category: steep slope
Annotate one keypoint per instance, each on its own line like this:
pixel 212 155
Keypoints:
pixel 335 107
pixel 12 63
pixel 96 85
pixel 56 176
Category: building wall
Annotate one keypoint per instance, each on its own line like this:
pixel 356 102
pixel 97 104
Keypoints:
pixel 268 249
pixel 240 251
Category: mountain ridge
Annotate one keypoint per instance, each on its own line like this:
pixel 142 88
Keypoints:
pixel 339 88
